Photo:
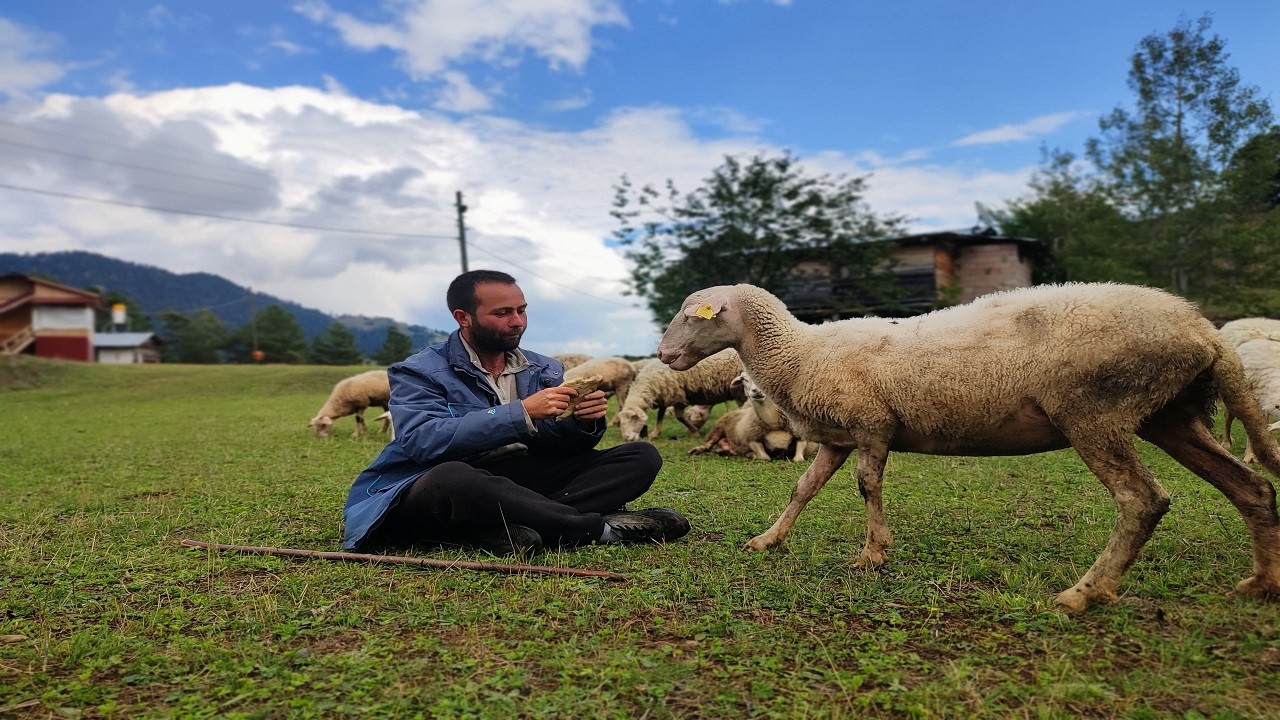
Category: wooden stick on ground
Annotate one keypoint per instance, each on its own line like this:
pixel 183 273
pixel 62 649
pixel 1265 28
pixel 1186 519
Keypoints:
pixel 403 560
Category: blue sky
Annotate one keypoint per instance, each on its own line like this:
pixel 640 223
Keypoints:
pixel 313 117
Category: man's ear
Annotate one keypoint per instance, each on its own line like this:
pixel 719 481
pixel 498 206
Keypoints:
pixel 462 317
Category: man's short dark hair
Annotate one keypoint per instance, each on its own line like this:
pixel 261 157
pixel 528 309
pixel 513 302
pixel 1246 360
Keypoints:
pixel 462 291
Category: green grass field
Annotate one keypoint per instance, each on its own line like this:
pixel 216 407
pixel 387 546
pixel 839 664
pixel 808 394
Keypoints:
pixel 104 469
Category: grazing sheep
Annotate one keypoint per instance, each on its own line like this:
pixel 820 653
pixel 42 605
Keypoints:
pixel 757 429
pixel 1243 330
pixel 571 360
pixel 658 386
pixel 616 374
pixel 1261 360
pixel 350 396
pixel 387 428
pixel 1017 372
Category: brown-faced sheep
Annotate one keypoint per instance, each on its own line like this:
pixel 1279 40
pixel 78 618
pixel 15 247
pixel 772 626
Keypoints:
pixel 1023 371
pixel 350 396
pixel 758 429
pixel 658 386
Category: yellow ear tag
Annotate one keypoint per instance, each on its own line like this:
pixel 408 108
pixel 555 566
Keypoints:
pixel 705 312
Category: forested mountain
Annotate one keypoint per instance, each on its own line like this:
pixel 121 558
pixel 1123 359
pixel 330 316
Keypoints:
pixel 155 290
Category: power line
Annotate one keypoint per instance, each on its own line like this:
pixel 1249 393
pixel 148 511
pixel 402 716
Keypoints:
pixel 525 270
pixel 196 213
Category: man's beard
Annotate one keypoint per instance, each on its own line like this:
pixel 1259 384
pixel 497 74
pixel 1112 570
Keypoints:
pixel 488 340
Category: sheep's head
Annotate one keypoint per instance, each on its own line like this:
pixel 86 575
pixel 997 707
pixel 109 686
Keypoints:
pixel 632 423
pixel 704 326
pixel 750 389
pixel 697 414
pixel 323 425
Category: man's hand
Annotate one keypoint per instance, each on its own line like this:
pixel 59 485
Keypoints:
pixel 591 407
pixel 548 403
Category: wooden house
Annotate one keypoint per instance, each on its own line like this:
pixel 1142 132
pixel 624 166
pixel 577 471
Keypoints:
pixel 932 269
pixel 44 318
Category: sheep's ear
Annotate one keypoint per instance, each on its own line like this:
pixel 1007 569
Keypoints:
pixel 736 382
pixel 709 308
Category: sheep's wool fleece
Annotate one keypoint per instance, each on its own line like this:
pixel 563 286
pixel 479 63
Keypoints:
pixel 1074 350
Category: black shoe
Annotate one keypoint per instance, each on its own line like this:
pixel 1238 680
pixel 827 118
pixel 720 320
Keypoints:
pixel 674 525
pixel 518 540
pixel 640 526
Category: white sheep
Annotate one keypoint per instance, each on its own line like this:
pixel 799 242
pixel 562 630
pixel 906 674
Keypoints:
pixel 658 386
pixel 1016 372
pixel 1261 360
pixel 1243 330
pixel 387 427
pixel 757 429
pixel 616 374
pixel 571 360
pixel 350 396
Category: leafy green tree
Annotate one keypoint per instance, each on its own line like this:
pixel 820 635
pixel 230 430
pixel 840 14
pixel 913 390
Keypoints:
pixel 273 331
pixel 194 338
pixel 750 222
pixel 1164 162
pixel 335 345
pixel 1084 234
pixel 395 347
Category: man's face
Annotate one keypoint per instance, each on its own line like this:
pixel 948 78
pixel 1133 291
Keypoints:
pixel 499 320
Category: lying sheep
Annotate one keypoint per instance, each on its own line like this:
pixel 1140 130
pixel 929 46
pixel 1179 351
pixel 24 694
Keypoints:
pixel 1261 360
pixel 1024 371
pixel 350 396
pixel 616 373
pixel 658 386
pixel 757 429
pixel 1243 330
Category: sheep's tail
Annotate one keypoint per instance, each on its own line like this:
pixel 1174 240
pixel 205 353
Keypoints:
pixel 1228 374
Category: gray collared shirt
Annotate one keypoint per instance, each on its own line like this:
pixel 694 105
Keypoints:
pixel 505 386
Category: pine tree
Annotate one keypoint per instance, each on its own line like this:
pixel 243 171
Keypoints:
pixel 395 347
pixel 275 333
pixel 335 345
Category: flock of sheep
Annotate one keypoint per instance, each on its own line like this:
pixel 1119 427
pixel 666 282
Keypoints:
pixel 1086 366
pixel 756 429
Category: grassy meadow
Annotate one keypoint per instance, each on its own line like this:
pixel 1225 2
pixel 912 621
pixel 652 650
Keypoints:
pixel 104 469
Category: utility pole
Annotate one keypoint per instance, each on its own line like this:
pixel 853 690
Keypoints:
pixel 462 231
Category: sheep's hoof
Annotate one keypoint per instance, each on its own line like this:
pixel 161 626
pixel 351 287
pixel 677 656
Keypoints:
pixel 759 543
pixel 1253 588
pixel 1076 599
pixel 870 558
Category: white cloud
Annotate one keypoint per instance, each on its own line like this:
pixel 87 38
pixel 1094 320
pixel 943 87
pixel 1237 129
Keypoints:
pixel 1030 130
pixel 459 95
pixel 20 70
pixel 432 35
pixel 538 199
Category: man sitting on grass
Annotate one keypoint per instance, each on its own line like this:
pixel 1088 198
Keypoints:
pixel 480 455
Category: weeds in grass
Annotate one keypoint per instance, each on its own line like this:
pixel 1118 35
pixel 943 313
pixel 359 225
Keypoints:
pixel 104 468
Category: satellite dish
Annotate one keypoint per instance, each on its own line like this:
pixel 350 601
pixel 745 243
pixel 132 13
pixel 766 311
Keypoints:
pixel 986 220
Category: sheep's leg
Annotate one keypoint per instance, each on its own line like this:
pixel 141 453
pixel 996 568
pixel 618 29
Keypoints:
pixel 693 429
pixel 1140 503
pixel 360 428
pixel 1229 418
pixel 801 446
pixel 870 479
pixel 757 450
pixel 657 424
pixel 829 460
pixel 1194 446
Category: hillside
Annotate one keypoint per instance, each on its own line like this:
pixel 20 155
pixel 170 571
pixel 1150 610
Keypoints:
pixel 156 290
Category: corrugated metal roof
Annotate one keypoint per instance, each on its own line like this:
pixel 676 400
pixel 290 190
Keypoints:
pixel 121 340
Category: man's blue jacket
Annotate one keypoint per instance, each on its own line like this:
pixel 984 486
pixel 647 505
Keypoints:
pixel 443 409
